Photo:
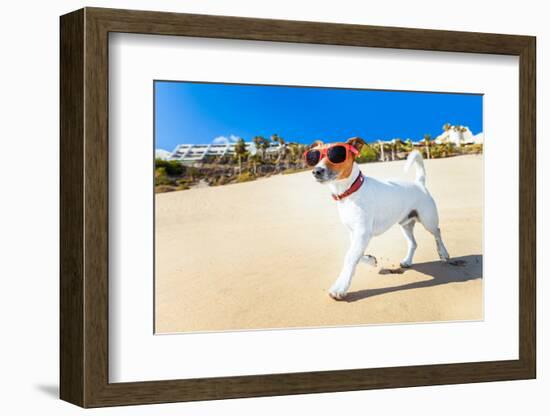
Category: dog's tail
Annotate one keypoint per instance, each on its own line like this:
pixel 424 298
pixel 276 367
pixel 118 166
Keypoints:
pixel 416 158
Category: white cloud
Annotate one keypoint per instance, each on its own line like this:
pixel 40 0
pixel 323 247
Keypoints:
pixel 225 140
pixel 220 140
pixel 162 154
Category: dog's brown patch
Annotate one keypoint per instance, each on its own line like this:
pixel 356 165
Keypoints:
pixel 356 142
pixel 344 169
pixel 316 143
pixel 411 215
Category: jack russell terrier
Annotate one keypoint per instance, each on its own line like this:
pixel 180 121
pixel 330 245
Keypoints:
pixel 368 207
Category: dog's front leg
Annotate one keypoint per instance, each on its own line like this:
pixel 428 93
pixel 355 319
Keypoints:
pixel 360 240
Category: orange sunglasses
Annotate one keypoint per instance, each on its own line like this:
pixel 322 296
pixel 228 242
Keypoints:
pixel 335 153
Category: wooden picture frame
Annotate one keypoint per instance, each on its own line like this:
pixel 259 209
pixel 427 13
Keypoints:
pixel 84 207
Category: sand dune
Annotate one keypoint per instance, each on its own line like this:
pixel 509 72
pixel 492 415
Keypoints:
pixel 263 254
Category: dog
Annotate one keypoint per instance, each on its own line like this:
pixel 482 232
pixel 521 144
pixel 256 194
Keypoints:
pixel 368 207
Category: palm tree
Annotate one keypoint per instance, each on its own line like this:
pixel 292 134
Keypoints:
pixel 382 156
pixel 240 151
pixel 294 149
pixel 257 140
pixel 408 145
pixel 427 142
pixel 397 146
pixel 392 148
pixel 283 155
pixel 263 145
pixel 282 147
pixel 274 139
pixel 400 147
pixel 255 158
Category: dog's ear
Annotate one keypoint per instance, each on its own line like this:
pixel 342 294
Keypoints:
pixel 316 143
pixel 356 142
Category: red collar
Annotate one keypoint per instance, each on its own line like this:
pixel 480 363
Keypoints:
pixel 353 188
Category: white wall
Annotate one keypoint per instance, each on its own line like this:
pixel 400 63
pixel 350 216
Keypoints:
pixel 29 206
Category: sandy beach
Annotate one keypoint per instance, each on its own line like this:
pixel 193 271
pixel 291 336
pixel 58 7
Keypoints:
pixel 263 254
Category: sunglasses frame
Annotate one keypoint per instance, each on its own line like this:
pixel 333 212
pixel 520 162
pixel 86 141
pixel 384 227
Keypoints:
pixel 323 150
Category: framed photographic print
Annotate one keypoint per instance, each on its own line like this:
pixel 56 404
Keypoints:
pixel 255 207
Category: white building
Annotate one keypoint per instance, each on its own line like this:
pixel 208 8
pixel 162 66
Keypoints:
pixel 188 153
pixel 458 135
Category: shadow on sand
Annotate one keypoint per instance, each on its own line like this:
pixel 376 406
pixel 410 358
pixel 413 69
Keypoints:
pixel 458 269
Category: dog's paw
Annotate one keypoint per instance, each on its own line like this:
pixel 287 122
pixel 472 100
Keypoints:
pixel 337 292
pixel 370 260
pixel 444 257
pixel 405 264
pixel 443 253
pixel 337 295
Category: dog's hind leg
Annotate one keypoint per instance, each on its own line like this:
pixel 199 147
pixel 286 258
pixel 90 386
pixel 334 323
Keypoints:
pixel 441 250
pixel 431 223
pixel 408 232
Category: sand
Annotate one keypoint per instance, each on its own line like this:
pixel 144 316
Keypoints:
pixel 263 254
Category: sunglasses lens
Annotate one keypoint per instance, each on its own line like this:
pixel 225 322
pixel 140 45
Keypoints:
pixel 337 154
pixel 312 157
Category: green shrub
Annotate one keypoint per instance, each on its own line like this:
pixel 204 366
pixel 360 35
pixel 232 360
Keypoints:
pixel 368 154
pixel 171 167
pixel 436 152
pixel 245 177
pixel 161 178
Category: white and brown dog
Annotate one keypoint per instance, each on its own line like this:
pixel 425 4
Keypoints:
pixel 368 207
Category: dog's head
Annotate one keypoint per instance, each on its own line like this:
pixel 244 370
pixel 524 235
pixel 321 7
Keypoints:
pixel 325 170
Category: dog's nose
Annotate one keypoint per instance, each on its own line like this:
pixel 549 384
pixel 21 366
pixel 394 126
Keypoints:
pixel 317 172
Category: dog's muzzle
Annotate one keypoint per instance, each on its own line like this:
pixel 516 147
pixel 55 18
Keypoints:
pixel 318 172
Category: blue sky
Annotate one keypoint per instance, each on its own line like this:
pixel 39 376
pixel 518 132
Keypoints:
pixel 189 112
